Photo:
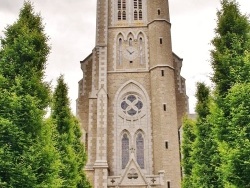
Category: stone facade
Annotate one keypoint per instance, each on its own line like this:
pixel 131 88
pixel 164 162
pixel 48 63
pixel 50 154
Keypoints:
pixel 132 97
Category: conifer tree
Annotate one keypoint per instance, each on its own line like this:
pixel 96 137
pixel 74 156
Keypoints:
pixel 188 138
pixel 232 42
pixel 231 65
pixel 235 146
pixel 28 157
pixel 204 154
pixel 71 149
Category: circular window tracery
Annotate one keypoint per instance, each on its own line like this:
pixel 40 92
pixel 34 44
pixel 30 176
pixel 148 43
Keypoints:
pixel 132 105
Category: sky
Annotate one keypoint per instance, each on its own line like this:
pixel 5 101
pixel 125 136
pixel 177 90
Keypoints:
pixel 71 26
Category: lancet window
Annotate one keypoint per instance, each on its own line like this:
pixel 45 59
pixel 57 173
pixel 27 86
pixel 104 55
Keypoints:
pixel 140 150
pixel 125 150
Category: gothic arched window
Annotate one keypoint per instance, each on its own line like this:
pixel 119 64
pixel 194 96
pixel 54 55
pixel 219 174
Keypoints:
pixel 140 150
pixel 121 5
pixel 125 150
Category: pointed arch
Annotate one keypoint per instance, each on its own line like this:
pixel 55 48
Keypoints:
pixel 140 88
pixel 130 35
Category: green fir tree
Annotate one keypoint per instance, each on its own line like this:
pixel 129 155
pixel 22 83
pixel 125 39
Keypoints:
pixel 71 149
pixel 231 46
pixel 204 154
pixel 188 138
pixel 231 65
pixel 28 156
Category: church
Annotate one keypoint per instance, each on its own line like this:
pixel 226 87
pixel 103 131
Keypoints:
pixel 132 98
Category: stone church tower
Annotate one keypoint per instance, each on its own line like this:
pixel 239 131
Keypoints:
pixel 132 98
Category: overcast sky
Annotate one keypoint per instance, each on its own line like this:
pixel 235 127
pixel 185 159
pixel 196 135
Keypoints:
pixel 71 28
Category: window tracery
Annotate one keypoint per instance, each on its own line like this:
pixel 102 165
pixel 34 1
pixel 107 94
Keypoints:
pixel 133 140
pixel 132 105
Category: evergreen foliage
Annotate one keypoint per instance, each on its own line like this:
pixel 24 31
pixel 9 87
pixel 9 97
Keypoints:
pixel 204 155
pixel 235 146
pixel 187 149
pixel 71 149
pixel 232 44
pixel 231 64
pixel 219 152
pixel 28 156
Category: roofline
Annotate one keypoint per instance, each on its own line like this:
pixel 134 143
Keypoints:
pixel 86 58
pixel 177 56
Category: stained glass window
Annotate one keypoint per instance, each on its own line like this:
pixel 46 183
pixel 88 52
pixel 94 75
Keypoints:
pixel 132 112
pixel 139 105
pixel 124 105
pixel 125 150
pixel 131 98
pixel 140 150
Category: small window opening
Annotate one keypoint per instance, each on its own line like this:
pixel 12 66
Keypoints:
pixel 164 107
pixel 86 142
pixel 130 61
pixel 166 144
pixel 169 184
pixel 159 12
pixel 162 72
pixel 160 40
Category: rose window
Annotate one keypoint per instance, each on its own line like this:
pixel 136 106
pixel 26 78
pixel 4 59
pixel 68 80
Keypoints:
pixel 131 105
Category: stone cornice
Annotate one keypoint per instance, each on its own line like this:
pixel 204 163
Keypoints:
pixel 157 20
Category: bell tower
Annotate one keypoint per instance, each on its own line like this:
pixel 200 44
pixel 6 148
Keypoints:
pixel 132 98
